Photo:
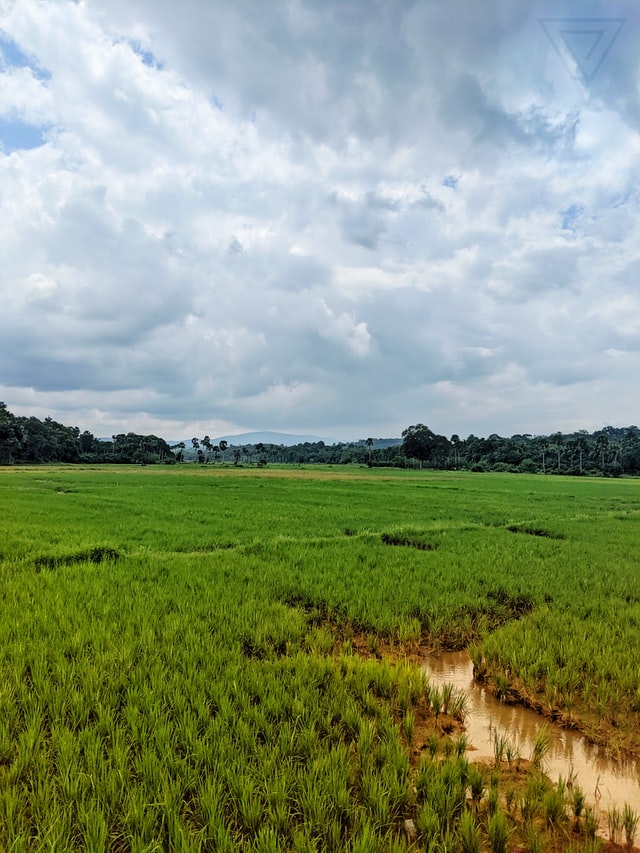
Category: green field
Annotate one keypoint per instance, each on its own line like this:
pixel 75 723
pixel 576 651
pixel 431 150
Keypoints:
pixel 178 665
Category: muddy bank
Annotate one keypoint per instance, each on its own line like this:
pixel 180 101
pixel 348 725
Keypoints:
pixel 606 782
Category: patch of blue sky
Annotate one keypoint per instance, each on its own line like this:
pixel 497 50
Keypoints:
pixel 570 215
pixel 623 199
pixel 148 57
pixel 450 181
pixel 13 57
pixel 17 135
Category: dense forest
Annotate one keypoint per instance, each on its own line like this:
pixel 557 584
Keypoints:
pixel 24 440
pixel 611 451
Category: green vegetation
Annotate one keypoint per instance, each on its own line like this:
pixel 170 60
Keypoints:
pixel 609 452
pixel 207 658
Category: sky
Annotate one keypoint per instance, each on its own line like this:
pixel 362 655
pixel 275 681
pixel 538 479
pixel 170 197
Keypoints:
pixel 336 218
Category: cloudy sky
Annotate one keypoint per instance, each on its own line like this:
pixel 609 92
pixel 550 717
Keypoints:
pixel 337 217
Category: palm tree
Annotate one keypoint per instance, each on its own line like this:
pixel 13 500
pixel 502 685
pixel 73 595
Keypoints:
pixel 582 447
pixel 369 443
pixel 600 446
pixel 455 443
pixel 558 444
pixel 543 444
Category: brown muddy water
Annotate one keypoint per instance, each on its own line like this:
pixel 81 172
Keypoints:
pixel 605 782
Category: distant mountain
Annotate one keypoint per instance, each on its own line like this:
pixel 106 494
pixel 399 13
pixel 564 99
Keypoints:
pixel 289 440
pixel 381 443
pixel 276 438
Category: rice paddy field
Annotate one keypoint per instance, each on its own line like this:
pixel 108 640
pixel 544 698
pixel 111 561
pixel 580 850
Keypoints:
pixel 200 658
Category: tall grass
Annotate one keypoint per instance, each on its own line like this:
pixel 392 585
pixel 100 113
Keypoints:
pixel 169 675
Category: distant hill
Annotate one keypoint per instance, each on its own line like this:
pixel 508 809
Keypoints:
pixel 380 443
pixel 286 438
pixel 276 438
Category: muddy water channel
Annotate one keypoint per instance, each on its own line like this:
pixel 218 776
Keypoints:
pixel 605 782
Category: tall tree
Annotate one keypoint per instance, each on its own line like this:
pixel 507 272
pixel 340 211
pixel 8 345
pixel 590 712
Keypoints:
pixel 10 435
pixel 557 440
pixel 630 459
pixel 418 442
pixel 180 446
pixel 600 447
pixel 582 447
pixel 455 444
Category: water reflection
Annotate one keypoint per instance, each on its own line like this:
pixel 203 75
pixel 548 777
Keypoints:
pixel 605 782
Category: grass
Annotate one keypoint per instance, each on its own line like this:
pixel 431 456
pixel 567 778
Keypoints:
pixel 178 665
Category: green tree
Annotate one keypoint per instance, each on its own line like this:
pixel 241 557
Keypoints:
pixel 582 447
pixel 10 435
pixel 418 442
pixel 630 454
pixel 455 444
pixel 543 445
pixel 87 442
pixel 260 450
pixel 180 447
pixel 147 449
pixel 600 448
pixel 557 440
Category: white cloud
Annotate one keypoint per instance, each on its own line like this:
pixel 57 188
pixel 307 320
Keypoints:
pixel 343 328
pixel 337 218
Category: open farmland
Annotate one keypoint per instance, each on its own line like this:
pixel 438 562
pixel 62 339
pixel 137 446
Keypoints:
pixel 181 649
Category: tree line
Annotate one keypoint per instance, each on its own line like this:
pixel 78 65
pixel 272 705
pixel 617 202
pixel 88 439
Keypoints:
pixel 30 440
pixel 611 451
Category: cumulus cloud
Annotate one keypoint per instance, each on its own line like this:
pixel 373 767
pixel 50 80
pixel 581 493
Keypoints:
pixel 330 217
